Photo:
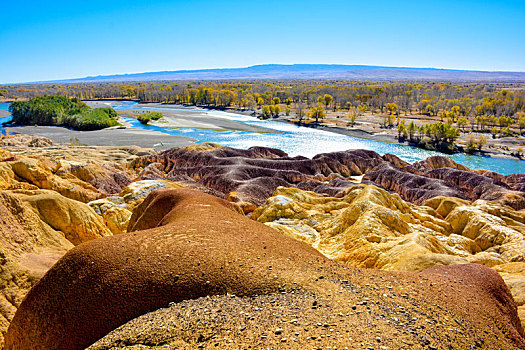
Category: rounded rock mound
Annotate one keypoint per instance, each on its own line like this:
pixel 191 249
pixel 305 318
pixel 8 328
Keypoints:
pixel 186 245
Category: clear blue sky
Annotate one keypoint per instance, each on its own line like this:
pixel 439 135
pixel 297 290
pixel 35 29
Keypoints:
pixel 44 40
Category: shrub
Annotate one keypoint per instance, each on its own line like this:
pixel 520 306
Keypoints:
pixel 93 119
pixel 153 115
pixel 471 143
pixel 440 136
pixel 144 118
pixel 62 111
pixel 482 141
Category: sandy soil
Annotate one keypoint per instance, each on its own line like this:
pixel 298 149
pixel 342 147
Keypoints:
pixel 107 137
pixel 177 116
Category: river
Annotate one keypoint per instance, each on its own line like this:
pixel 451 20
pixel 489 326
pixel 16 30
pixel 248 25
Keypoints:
pixel 308 142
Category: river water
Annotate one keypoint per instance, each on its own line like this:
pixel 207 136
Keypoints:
pixel 304 141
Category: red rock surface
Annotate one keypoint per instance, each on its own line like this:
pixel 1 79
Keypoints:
pixel 417 186
pixel 256 172
pixel 191 245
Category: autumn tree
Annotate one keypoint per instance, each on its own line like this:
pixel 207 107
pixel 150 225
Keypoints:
pixel 275 109
pixel 471 142
pixel 353 114
pixel 327 100
pixel 317 112
pixel 300 113
pixel 266 112
pixel 454 113
pixel 482 141
pixel 521 121
pixel 494 132
pixel 388 121
pixel 391 107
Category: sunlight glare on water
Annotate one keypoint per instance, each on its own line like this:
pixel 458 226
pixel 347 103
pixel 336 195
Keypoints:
pixel 308 142
pixel 304 141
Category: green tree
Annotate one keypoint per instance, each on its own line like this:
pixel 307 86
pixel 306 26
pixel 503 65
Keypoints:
pixel 442 136
pixel 152 115
pixel 519 152
pixel 276 100
pixel 401 129
pixel 506 131
pixel 62 111
pixel 411 130
pixel 462 122
pixel 505 121
pixel 144 118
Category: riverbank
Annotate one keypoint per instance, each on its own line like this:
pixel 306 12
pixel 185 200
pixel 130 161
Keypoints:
pixel 492 152
pixel 106 137
pixel 182 117
pixel 367 127
pixel 304 141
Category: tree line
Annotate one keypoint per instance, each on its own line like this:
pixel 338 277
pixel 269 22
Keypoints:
pixel 484 107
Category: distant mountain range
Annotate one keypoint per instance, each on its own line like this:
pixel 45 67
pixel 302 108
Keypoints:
pixel 311 71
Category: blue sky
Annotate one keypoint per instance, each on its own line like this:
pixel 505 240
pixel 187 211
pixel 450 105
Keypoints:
pixel 44 40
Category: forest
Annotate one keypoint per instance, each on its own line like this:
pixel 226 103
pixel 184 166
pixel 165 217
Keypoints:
pixel 473 100
pixel 497 109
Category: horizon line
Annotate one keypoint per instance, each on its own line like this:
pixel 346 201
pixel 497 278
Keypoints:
pixel 259 65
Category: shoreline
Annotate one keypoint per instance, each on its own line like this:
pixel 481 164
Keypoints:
pixel 355 132
pixel 197 118
pixel 362 134
pixel 106 137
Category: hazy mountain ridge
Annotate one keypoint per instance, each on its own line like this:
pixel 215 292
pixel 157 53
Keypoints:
pixel 310 71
